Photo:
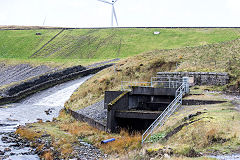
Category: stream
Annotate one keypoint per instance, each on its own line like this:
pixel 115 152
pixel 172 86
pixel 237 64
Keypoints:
pixel 43 105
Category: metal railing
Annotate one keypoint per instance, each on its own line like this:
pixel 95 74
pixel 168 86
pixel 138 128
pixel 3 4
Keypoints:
pixel 157 82
pixel 168 111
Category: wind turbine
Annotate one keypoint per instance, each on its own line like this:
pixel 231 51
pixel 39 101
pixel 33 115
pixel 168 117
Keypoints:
pixel 113 10
pixel 44 20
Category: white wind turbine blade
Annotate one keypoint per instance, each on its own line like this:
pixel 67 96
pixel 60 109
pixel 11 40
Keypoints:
pixel 105 1
pixel 114 13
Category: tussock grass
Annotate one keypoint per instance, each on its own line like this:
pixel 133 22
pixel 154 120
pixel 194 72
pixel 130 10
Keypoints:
pixel 47 155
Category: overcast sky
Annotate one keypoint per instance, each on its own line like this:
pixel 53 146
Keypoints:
pixel 130 13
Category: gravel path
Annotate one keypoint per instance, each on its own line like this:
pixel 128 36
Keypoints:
pixel 96 112
pixel 21 72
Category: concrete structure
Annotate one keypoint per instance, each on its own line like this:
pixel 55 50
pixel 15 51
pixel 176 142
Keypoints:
pixel 136 109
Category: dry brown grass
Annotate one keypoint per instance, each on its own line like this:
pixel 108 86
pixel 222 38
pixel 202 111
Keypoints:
pixel 123 143
pixel 79 129
pixel 47 155
pixel 28 134
pixel 64 145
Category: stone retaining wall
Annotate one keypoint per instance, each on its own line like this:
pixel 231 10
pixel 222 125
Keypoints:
pixel 199 78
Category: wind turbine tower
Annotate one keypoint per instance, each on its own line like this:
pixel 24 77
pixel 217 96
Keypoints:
pixel 114 16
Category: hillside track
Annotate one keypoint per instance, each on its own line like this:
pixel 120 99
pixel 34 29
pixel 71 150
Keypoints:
pixel 79 45
pixel 47 43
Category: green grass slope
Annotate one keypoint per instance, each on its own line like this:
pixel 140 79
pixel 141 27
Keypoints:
pixel 112 43
pixel 105 43
pixel 22 43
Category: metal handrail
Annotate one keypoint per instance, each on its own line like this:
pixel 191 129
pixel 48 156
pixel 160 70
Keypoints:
pixel 158 82
pixel 166 113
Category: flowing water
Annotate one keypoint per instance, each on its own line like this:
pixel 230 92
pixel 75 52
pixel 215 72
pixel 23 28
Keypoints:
pixel 227 157
pixel 43 105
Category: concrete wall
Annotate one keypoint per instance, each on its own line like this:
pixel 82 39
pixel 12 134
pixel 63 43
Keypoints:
pixel 200 78
pixel 153 91
pixel 110 96
pixel 83 118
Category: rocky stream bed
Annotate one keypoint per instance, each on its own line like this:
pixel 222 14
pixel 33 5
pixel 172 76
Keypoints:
pixel 43 105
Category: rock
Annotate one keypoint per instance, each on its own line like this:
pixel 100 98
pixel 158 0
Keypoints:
pixel 193 153
pixel 167 156
pixel 7 150
pixel 49 111
pixel 11 154
pixel 46 135
pixel 4 139
pixel 39 120
pixel 12 120
pixel 1 152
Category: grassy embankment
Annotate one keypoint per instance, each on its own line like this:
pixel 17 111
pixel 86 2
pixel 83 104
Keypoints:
pixel 85 46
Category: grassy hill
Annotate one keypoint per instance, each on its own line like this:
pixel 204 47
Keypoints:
pixel 80 44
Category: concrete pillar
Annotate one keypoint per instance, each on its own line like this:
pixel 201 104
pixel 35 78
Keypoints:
pixel 186 83
pixel 111 121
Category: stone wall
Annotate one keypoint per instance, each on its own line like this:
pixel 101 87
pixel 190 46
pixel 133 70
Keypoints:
pixel 199 78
